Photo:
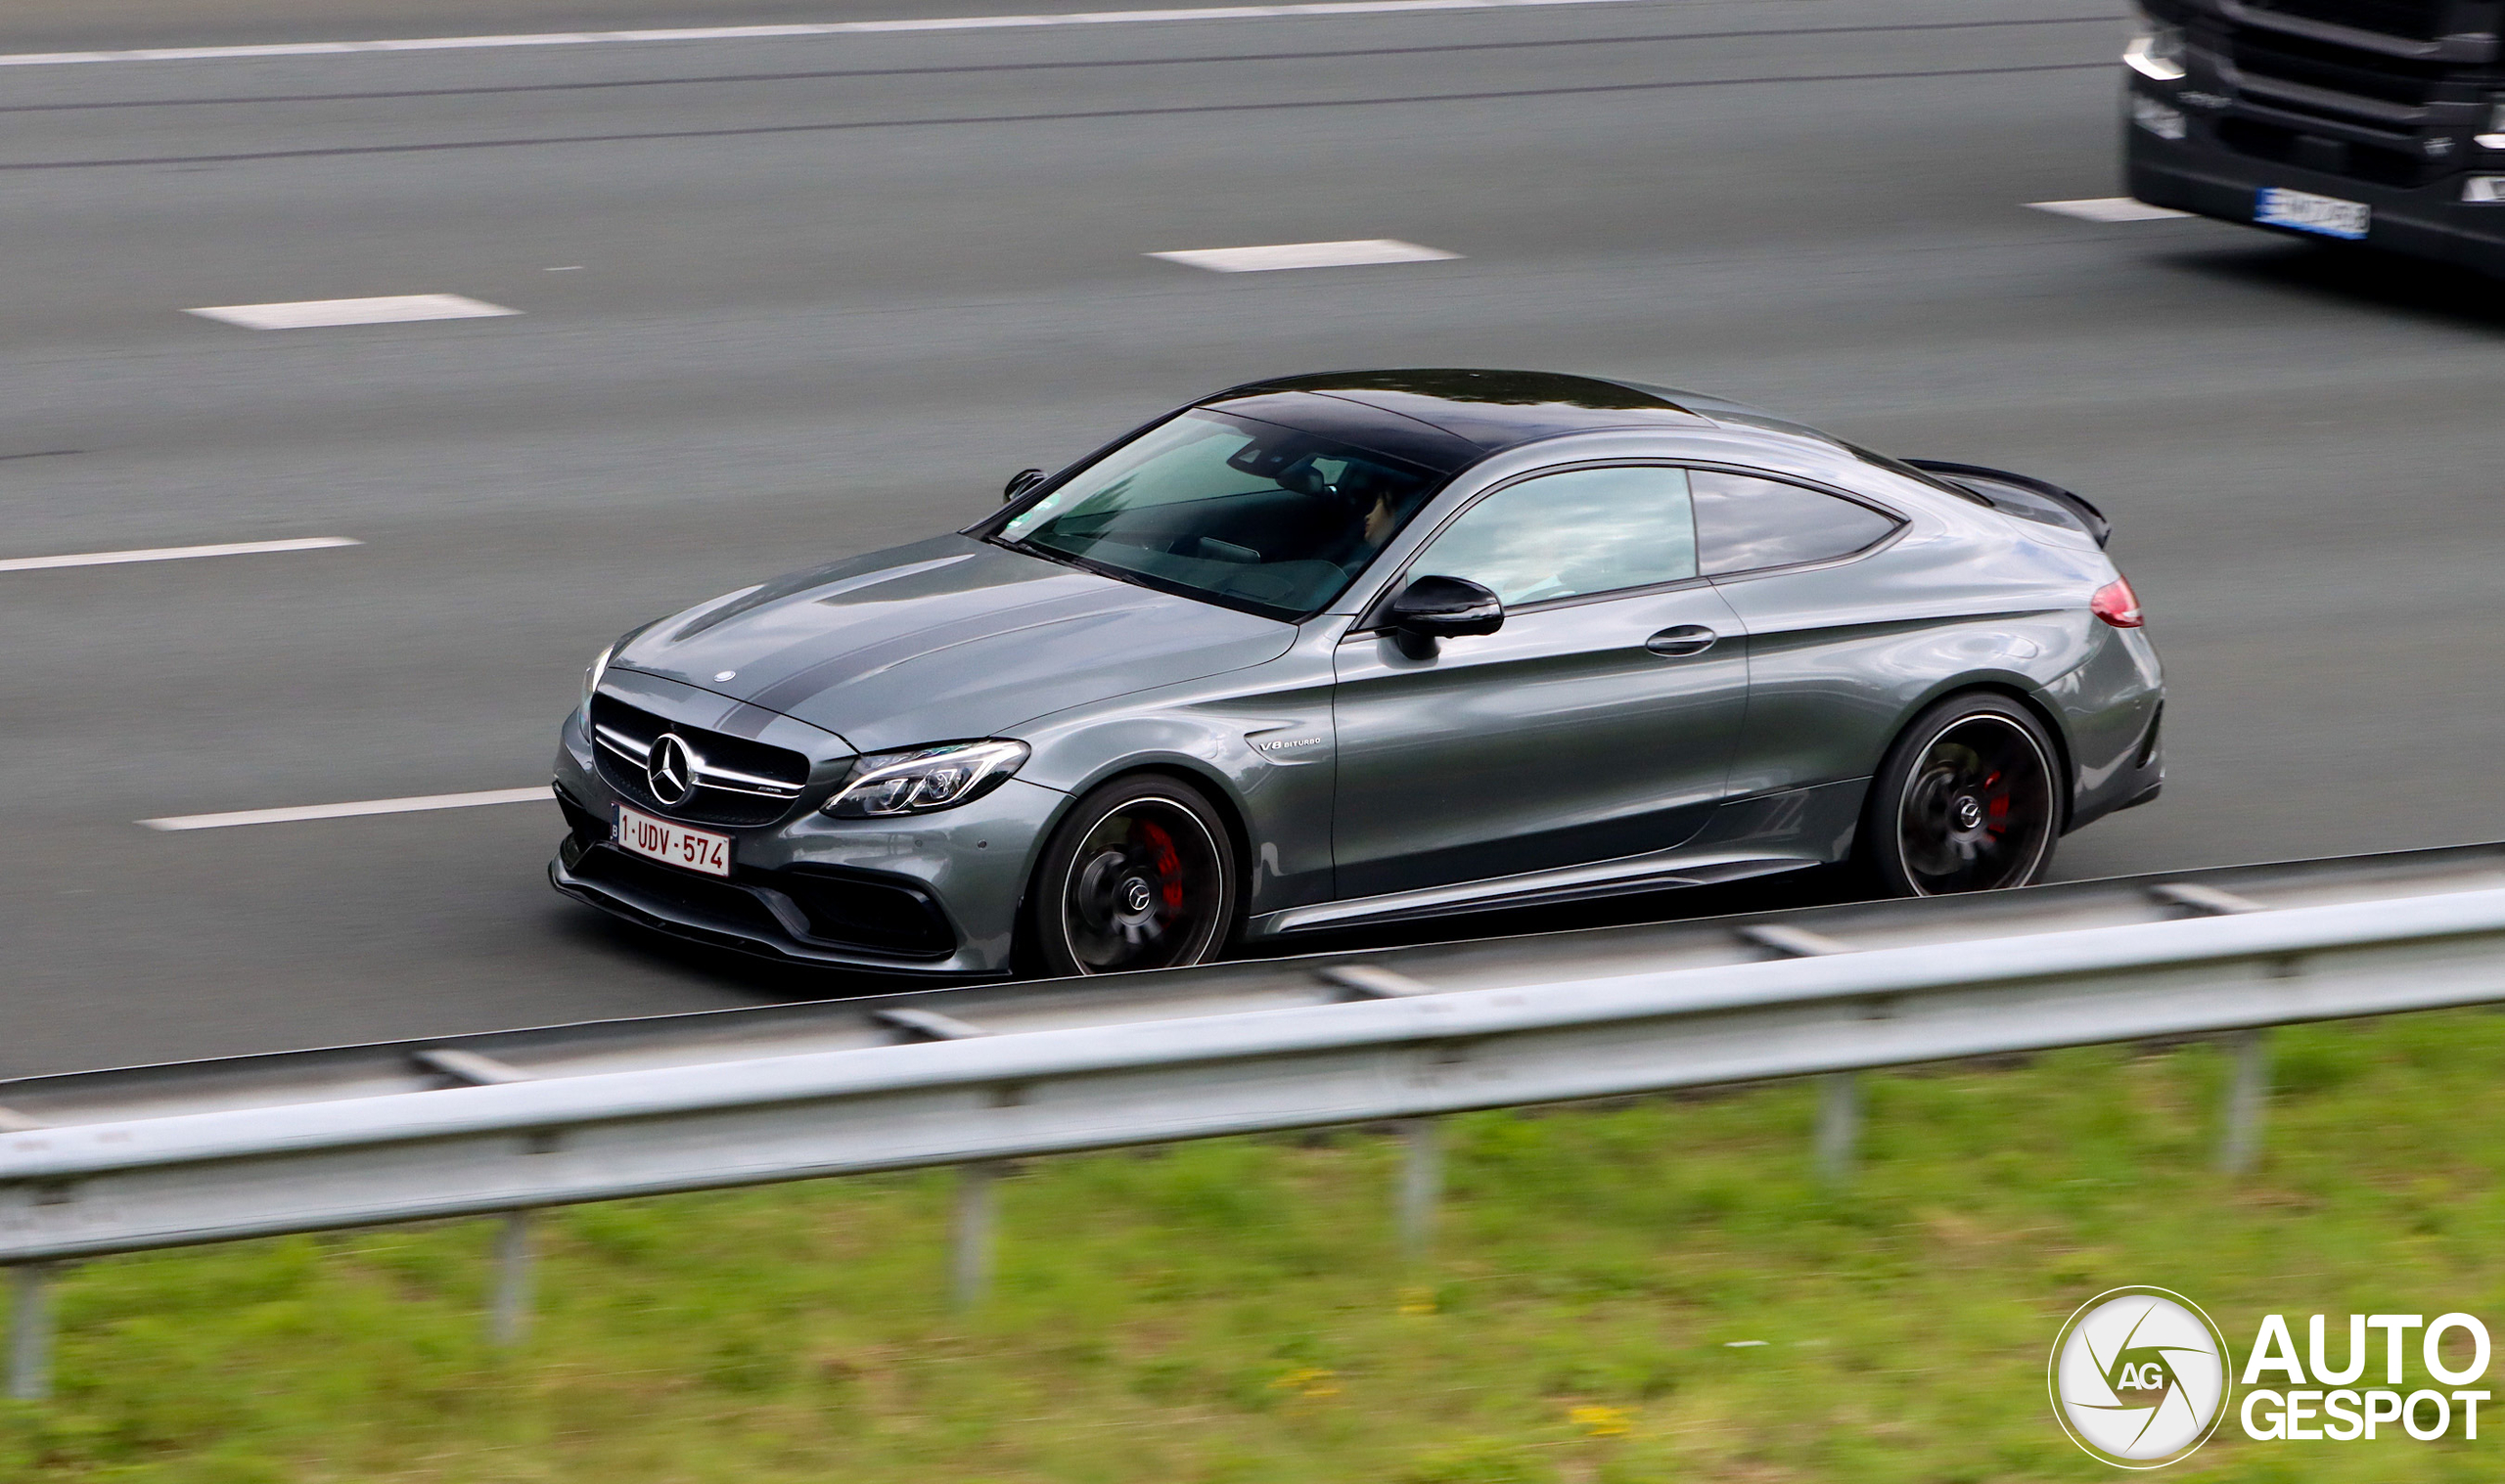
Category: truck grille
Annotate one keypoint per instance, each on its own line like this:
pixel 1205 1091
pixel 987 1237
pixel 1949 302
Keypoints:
pixel 2416 19
pixel 739 782
pixel 2313 77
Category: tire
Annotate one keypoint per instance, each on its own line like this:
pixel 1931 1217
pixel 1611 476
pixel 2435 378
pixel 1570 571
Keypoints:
pixel 1969 799
pixel 1140 873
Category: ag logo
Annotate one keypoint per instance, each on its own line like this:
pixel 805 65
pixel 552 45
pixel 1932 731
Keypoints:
pixel 2139 1377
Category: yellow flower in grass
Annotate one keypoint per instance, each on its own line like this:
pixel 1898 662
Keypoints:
pixel 1308 1381
pixel 1602 1421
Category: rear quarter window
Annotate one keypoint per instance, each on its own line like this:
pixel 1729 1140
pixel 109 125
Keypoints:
pixel 1744 523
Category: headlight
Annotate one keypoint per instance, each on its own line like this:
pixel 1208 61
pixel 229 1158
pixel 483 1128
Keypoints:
pixel 924 778
pixel 2494 137
pixel 599 667
pixel 2157 51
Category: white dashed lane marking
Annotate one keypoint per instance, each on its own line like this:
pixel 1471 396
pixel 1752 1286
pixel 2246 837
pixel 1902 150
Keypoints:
pixel 175 552
pixel 769 32
pixel 2108 209
pixel 350 810
pixel 1270 260
pixel 393 309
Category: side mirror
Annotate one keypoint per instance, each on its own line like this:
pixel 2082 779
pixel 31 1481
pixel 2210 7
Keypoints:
pixel 1020 482
pixel 1430 608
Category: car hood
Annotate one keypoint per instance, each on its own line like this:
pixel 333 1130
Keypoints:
pixel 944 639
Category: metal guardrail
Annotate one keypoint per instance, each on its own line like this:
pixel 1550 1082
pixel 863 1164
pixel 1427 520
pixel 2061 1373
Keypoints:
pixel 1407 1049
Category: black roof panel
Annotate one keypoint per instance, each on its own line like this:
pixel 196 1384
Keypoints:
pixel 1353 423
pixel 1491 409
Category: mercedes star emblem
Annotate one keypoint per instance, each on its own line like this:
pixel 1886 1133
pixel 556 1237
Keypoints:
pixel 671 770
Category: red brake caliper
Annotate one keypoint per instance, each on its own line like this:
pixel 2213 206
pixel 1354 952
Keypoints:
pixel 1169 866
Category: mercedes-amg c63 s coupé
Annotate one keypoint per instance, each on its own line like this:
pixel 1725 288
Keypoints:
pixel 1339 649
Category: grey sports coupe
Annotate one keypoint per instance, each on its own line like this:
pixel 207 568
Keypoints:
pixel 1341 649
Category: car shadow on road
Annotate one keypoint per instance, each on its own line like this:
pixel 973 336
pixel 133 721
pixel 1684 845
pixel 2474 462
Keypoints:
pixel 2358 276
pixel 740 977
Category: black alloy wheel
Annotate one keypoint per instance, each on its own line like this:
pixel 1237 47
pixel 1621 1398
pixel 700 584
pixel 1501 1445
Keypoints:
pixel 1139 874
pixel 1967 800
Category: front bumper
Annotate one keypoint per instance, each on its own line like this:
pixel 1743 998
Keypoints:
pixel 2201 173
pixel 926 896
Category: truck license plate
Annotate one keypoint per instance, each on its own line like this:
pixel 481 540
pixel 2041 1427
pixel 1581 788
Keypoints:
pixel 2321 215
pixel 661 840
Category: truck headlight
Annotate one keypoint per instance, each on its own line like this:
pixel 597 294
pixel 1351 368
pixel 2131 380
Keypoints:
pixel 2157 51
pixel 2494 138
pixel 919 780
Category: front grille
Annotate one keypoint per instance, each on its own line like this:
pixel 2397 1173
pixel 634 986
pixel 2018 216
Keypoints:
pixel 2413 19
pixel 739 781
pixel 2331 81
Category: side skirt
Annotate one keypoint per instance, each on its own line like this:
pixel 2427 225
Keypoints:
pixel 1746 837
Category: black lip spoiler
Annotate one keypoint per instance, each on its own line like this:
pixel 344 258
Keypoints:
pixel 2021 495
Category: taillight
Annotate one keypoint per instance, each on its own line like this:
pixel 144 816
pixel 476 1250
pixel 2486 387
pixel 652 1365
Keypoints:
pixel 2117 605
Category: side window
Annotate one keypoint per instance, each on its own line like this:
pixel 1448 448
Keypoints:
pixel 1744 523
pixel 1563 535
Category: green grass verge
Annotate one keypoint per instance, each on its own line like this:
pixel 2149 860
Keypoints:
pixel 1235 1311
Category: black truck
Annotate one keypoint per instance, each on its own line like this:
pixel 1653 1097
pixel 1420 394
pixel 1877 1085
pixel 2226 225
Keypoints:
pixel 2377 121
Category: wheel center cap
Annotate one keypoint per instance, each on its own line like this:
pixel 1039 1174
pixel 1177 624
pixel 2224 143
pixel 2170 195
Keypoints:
pixel 1969 811
pixel 1136 896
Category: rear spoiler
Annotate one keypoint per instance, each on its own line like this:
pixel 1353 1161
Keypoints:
pixel 2029 499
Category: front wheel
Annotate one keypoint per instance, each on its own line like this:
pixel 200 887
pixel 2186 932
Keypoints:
pixel 1968 799
pixel 1138 875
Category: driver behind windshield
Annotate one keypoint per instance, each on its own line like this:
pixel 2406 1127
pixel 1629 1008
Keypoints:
pixel 1248 513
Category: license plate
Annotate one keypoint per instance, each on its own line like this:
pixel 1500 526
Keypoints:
pixel 2322 216
pixel 661 840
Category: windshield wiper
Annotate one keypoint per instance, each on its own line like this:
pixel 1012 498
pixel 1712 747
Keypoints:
pixel 1071 559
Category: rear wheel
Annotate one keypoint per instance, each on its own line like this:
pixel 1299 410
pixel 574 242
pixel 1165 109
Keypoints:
pixel 1139 874
pixel 1968 799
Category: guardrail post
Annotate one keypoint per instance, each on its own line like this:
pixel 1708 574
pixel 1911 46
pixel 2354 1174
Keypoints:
pixel 1839 1125
pixel 2247 1098
pixel 30 1331
pixel 1422 1182
pixel 510 1315
pixel 970 1258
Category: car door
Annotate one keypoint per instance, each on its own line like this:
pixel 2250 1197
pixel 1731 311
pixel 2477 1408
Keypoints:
pixel 1598 722
pixel 1835 638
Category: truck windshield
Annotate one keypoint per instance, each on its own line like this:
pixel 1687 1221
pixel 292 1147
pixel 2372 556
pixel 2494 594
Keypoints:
pixel 1270 520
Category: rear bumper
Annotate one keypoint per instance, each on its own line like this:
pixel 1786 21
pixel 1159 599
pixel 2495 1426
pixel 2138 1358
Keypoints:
pixel 2201 174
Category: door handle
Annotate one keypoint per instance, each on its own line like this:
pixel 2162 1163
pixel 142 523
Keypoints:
pixel 1685 639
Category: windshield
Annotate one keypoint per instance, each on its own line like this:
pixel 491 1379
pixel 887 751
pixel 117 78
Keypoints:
pixel 1251 514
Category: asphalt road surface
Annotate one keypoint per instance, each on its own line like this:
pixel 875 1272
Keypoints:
pixel 783 299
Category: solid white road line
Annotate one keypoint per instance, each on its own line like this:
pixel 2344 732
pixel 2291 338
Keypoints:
pixel 769 32
pixel 350 810
pixel 1270 260
pixel 175 552
pixel 2108 209
pixel 392 309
